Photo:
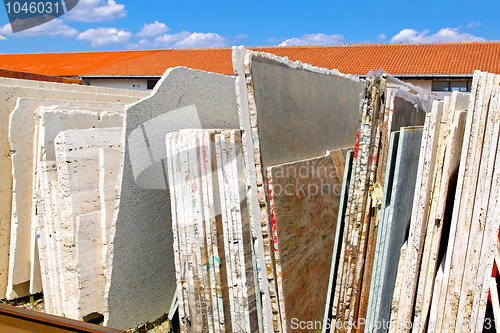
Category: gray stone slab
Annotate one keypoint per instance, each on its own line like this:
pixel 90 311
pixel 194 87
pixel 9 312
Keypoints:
pixel 142 240
pixel 374 297
pixel 302 113
pixel 403 190
pixel 337 245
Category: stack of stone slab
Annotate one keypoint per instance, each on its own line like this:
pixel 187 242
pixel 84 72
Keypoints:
pixel 292 114
pixel 33 113
pixel 444 277
pixel 387 106
pixel 212 249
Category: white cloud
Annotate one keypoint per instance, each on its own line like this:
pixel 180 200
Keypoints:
pixel 55 27
pixel 153 29
pixel 104 36
pixel 2 37
pixel 313 39
pixel 443 35
pixel 381 37
pixel 96 11
pixel 184 39
pixel 473 24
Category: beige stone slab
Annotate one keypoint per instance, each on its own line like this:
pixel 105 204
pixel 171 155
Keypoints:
pixel 72 88
pixel 77 156
pixel 21 133
pixel 91 279
pixel 48 217
pixel 438 304
pixel 304 198
pixel 462 214
pixel 110 161
pixel 425 265
pixel 481 198
pixel 489 250
pixel 419 214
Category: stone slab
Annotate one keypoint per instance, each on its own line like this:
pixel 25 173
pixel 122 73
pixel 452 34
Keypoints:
pixel 77 156
pixel 471 155
pixel 48 123
pixel 399 216
pixel 142 236
pixel 376 282
pixel 109 169
pixel 91 278
pixel 481 198
pixel 304 198
pixel 10 96
pixel 418 224
pixel 8 82
pixel 311 101
pixel 337 245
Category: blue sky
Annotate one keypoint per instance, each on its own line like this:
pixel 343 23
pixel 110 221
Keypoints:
pixel 99 25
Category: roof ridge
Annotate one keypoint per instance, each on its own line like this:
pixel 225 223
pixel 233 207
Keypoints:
pixel 266 47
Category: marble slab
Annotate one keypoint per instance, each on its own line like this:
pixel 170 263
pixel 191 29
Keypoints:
pixel 142 236
pixel 273 89
pixel 304 198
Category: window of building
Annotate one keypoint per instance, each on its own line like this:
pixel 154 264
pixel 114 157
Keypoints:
pixel 152 83
pixel 448 85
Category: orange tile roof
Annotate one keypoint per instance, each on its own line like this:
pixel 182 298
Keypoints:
pixel 397 59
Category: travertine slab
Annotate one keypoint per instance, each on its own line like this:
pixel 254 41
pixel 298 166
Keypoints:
pixel 445 173
pixel 77 155
pixel 9 95
pixel 489 249
pixel 304 198
pixel 47 220
pixel 21 137
pixel 471 154
pixel 91 279
pixel 109 167
pixel 141 236
pixel 481 198
pixel 419 213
